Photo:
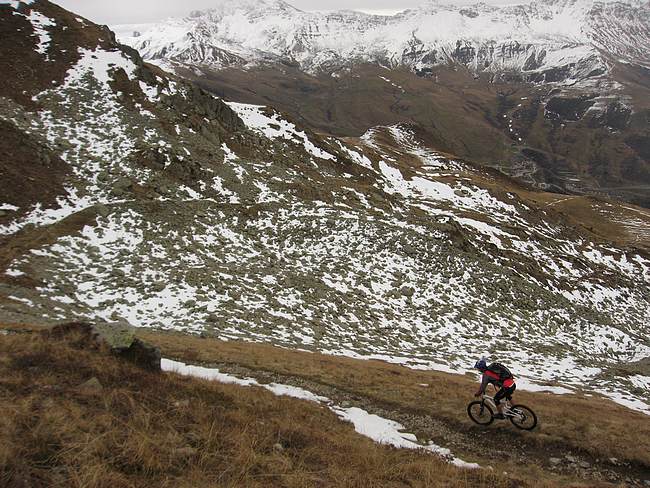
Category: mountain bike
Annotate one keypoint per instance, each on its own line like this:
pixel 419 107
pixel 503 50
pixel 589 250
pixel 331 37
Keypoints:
pixel 482 412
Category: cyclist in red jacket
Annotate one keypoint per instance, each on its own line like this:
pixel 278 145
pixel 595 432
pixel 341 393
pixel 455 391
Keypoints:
pixel 500 376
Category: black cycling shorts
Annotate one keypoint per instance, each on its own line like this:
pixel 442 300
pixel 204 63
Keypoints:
pixel 505 393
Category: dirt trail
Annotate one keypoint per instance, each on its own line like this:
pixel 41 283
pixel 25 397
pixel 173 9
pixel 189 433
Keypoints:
pixel 561 200
pixel 499 443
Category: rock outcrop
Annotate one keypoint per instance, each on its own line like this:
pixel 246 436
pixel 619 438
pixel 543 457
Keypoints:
pixel 118 338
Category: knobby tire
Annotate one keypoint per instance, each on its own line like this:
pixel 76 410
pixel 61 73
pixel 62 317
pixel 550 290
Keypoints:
pixel 529 417
pixel 477 419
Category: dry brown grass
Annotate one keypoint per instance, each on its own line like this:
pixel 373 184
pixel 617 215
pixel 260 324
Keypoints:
pixel 148 429
pixel 592 425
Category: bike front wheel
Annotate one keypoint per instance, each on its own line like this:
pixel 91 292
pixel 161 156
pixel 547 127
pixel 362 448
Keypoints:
pixel 523 417
pixel 480 412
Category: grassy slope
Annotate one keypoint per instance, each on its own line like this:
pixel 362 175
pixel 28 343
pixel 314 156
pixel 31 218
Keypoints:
pixel 144 429
pixel 349 105
pixel 591 425
pixel 624 225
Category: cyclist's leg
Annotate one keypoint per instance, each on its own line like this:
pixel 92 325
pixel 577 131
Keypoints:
pixel 507 394
pixel 497 400
pixel 510 392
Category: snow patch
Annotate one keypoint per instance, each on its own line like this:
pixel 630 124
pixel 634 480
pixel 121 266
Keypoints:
pixel 273 126
pixel 40 23
pixel 379 429
pixel 100 64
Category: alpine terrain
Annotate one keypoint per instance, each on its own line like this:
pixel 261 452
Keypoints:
pixel 130 195
pixel 554 92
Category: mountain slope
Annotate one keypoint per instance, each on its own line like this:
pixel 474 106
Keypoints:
pixel 170 208
pixel 75 416
pixel 554 93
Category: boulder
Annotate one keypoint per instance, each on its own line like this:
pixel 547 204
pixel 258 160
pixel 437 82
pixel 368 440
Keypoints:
pixel 409 250
pixel 91 386
pixel 143 354
pixel 118 337
pixel 407 291
pixel 158 286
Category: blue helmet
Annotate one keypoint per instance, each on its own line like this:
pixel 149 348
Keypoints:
pixel 481 364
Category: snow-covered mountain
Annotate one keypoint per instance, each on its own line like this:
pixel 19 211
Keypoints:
pixel 545 41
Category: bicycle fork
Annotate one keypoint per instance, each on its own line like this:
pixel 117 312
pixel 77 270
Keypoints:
pixel 482 408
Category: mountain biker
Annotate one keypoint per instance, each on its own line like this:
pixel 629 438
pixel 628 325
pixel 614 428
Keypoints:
pixel 500 376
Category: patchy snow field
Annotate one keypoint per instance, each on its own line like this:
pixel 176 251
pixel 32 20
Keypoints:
pixel 351 251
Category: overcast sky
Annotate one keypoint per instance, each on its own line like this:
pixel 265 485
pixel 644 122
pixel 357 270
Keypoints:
pixel 134 11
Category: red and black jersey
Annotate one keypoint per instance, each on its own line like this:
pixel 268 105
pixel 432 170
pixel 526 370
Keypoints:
pixel 496 379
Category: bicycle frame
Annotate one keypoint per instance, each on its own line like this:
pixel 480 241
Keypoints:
pixel 507 411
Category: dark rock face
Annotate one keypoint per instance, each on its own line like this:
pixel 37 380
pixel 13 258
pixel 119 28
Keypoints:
pixel 195 101
pixel 616 116
pixel 414 52
pixel 143 354
pixel 431 57
pixel 535 61
pixel 513 49
pixel 571 109
pixel 464 53
pixel 552 75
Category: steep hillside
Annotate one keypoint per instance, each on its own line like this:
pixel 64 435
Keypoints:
pixel 568 142
pixel 77 416
pixel 555 93
pixel 158 204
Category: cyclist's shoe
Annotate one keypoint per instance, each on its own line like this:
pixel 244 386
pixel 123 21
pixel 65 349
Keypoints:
pixel 499 416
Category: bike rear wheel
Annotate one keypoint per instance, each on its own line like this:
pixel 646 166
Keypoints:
pixel 523 418
pixel 480 412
